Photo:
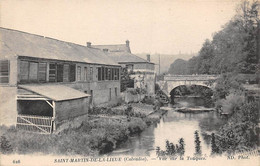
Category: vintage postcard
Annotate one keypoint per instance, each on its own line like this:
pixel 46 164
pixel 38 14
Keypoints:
pixel 130 82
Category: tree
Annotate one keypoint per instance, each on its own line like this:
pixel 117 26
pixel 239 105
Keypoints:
pixel 197 144
pixel 232 49
pixel 181 148
pixel 126 80
pixel 214 147
pixel 178 67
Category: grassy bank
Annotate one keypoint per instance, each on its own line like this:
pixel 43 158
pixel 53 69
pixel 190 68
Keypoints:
pixel 90 135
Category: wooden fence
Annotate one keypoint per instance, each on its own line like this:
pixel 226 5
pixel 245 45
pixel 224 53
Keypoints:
pixel 39 124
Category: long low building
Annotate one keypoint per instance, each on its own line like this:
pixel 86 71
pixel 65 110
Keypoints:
pixel 44 81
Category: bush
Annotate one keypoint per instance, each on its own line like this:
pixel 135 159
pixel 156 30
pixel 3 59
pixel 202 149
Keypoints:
pixel 231 104
pixel 5 147
pixel 136 125
pixel 240 133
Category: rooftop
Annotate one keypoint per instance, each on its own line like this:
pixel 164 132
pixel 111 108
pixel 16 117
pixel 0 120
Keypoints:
pixel 125 57
pixel 17 43
pixel 121 53
pixel 55 92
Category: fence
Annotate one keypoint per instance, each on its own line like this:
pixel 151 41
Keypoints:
pixel 39 124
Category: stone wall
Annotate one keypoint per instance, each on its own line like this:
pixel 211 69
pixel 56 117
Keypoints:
pixel 8 107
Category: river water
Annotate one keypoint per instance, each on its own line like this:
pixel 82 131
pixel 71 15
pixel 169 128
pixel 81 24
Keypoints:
pixel 173 126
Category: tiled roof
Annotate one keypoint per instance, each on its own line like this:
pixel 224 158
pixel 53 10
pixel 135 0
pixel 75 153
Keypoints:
pixel 125 57
pixel 14 43
pixel 121 53
pixel 114 48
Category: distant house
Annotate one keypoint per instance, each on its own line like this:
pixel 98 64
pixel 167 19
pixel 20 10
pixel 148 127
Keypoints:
pixel 142 70
pixel 44 81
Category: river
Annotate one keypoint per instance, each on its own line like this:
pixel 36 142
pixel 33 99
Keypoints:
pixel 173 126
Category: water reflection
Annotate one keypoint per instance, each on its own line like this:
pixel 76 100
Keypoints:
pixel 172 127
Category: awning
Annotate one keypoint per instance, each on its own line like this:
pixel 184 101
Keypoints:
pixel 55 92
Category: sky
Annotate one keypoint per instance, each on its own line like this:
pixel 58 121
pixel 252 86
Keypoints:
pixel 151 26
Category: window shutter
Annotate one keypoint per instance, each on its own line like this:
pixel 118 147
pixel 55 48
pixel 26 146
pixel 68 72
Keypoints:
pixel 72 73
pixel 66 73
pixel 52 72
pixel 42 72
pixel 60 73
pixel 4 71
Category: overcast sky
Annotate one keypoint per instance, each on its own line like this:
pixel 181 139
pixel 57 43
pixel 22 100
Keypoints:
pixel 152 26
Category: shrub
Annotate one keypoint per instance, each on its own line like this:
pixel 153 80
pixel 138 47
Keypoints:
pixel 197 144
pixel 136 125
pixel 232 103
pixel 240 133
pixel 5 147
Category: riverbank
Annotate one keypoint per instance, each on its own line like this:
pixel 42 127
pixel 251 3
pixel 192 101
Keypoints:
pixel 194 109
pixel 97 133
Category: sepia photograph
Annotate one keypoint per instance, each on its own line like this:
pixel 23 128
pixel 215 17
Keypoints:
pixel 129 82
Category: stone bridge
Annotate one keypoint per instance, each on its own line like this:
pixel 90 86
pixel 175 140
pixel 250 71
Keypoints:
pixel 172 81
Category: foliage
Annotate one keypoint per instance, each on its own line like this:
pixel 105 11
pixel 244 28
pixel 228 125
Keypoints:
pixel 135 91
pixel 126 80
pixel 90 138
pixel 181 149
pixel 232 49
pixel 178 67
pixel 227 83
pixel 214 147
pixel 5 146
pixel 171 149
pixel 240 133
pixel 197 144
pixel 231 104
pixel 196 90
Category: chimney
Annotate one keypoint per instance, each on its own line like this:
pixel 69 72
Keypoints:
pixel 148 58
pixel 127 43
pixel 88 44
pixel 105 50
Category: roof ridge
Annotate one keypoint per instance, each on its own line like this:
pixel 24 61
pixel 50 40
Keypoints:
pixel 98 56
pixel 21 31
pixel 109 45
pixel 46 37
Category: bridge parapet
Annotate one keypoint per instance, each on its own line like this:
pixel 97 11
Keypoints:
pixel 190 77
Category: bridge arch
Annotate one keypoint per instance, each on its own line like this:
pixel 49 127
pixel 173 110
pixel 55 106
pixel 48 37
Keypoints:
pixel 190 90
pixel 170 82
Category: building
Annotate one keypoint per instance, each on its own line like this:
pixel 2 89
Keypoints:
pixel 46 81
pixel 143 71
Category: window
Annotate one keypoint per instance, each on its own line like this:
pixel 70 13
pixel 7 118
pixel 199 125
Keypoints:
pixel 99 73
pixel 78 73
pixel 52 72
pixel 109 74
pixel 42 72
pixel 109 94
pixel 24 71
pixel 72 72
pixel 115 91
pixel 91 97
pixel 118 76
pixel 33 71
pixel 113 74
pixel 91 73
pixel 106 72
pixel 4 71
pixel 85 73
pixel 103 73
pixel 60 73
pixel 66 69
